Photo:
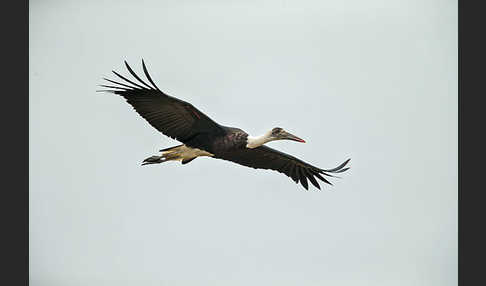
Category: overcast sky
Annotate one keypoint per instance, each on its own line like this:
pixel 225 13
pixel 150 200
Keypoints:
pixel 375 81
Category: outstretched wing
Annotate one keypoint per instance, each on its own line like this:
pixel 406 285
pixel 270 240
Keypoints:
pixel 264 157
pixel 173 117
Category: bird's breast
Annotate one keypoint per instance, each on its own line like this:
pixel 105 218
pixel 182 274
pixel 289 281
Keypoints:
pixel 230 142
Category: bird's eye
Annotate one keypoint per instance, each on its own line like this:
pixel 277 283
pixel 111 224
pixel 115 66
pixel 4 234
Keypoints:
pixel 276 130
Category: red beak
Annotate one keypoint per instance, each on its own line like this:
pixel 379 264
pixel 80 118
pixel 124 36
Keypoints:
pixel 293 137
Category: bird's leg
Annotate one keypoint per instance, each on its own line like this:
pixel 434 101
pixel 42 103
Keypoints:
pixel 153 160
pixel 166 156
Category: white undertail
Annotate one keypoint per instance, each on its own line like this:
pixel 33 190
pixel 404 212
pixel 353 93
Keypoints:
pixel 181 153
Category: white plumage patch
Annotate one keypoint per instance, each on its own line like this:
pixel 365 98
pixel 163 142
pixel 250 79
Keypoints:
pixel 183 152
pixel 253 142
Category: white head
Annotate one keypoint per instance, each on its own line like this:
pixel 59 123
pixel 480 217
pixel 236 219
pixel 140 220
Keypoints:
pixel 276 133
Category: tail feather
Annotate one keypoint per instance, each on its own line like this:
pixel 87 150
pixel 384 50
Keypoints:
pixel 170 148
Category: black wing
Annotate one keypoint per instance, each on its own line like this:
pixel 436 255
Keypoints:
pixel 173 117
pixel 264 157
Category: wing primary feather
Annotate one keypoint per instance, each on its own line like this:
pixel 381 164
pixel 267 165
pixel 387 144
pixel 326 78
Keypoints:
pixel 329 175
pixel 105 90
pixel 342 170
pixel 337 168
pixel 127 80
pixel 313 181
pixel 148 75
pixel 112 86
pixel 119 83
pixel 136 76
pixel 321 178
pixel 303 179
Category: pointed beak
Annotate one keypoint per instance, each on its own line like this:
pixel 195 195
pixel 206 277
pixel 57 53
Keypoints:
pixel 289 136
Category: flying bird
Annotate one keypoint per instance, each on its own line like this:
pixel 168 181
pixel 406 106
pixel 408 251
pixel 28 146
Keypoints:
pixel 201 136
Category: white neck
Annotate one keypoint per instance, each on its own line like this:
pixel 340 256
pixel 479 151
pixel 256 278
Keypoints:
pixel 253 142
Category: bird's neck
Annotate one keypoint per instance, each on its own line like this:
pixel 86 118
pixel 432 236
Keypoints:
pixel 253 142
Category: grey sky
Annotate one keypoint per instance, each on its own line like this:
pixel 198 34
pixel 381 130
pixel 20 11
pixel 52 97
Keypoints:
pixel 372 80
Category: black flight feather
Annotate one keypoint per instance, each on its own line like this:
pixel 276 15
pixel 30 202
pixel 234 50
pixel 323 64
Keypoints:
pixel 136 76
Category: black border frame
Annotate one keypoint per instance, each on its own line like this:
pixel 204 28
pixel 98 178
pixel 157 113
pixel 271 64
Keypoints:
pixel 471 116
pixel 15 149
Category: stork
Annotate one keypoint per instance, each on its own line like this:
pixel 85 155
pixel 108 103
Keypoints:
pixel 201 136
